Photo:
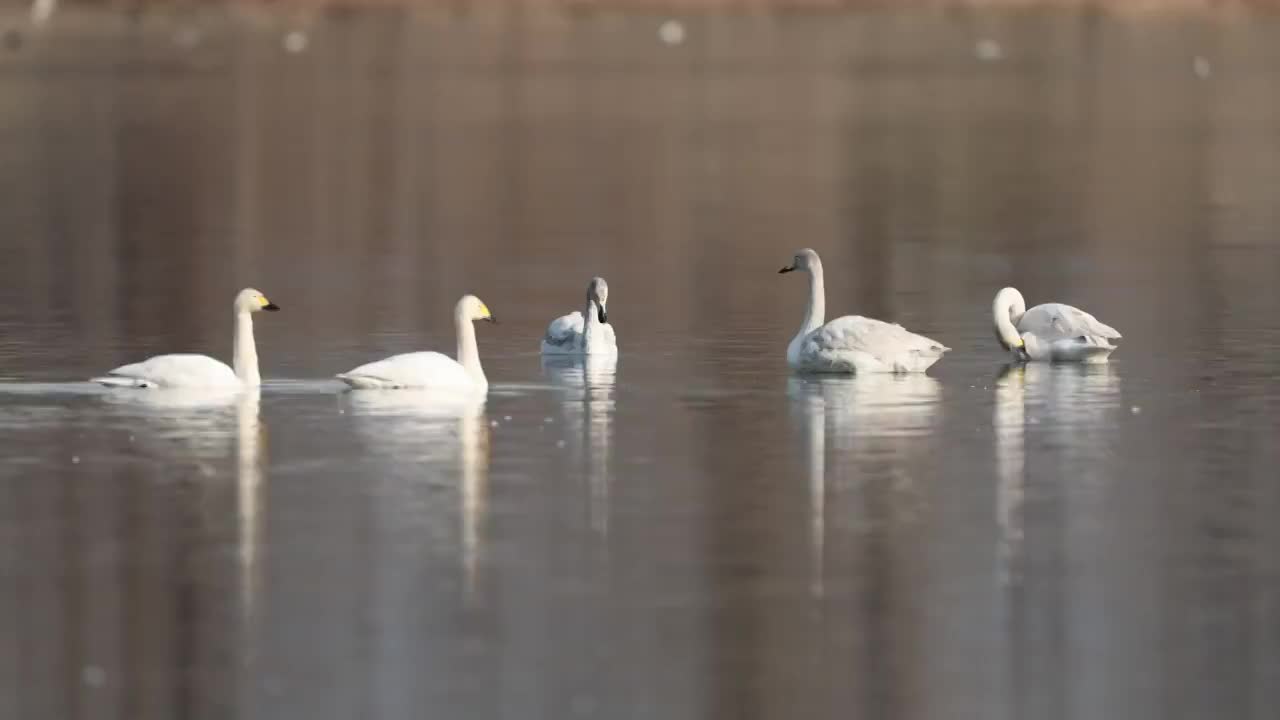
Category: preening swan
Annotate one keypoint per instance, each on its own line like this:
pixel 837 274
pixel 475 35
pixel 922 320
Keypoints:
pixel 201 371
pixel 431 370
pixel 852 344
pixel 1050 332
pixel 586 333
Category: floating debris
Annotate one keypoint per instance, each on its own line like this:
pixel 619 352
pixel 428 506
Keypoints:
pixel 295 41
pixel 671 32
pixel 988 50
pixel 1201 67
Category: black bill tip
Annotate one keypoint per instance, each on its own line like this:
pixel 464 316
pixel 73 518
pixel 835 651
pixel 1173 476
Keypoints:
pixel 1022 354
pixel 271 307
pixel 604 316
pixel 490 319
pixel 787 269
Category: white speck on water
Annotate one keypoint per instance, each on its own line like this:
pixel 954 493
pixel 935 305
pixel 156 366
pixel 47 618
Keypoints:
pixel 988 50
pixel 1135 410
pixel 75 459
pixel 506 418
pixel 548 419
pixel 93 676
pixel 1201 67
pixel 671 32
pixel 560 443
pixel 493 423
pixel 295 41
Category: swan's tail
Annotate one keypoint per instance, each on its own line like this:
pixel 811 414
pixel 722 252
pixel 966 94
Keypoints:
pixel 363 382
pixel 1093 349
pixel 122 381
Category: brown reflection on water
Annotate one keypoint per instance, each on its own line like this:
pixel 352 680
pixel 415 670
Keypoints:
pixel 718 541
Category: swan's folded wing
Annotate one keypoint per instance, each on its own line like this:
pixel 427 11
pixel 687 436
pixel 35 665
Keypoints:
pixel 410 370
pixel 1056 321
pixel 564 330
pixel 178 370
pixel 857 334
pixel 862 333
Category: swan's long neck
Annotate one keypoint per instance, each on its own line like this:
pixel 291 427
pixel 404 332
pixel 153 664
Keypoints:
pixel 1006 311
pixel 816 313
pixel 468 354
pixel 590 324
pixel 245 358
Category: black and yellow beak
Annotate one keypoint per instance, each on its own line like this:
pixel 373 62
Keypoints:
pixel 787 269
pixel 602 315
pixel 271 307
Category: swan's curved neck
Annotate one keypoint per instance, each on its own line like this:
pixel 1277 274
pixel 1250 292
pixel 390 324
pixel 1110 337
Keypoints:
pixel 245 359
pixel 815 314
pixel 1006 311
pixel 468 354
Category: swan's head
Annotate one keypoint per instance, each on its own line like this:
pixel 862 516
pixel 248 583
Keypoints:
pixel 251 301
pixel 471 307
pixel 805 259
pixel 598 292
pixel 1006 310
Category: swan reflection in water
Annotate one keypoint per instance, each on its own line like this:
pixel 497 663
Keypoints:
pixel 873 417
pixel 587 407
pixel 424 432
pixel 1071 402
pixel 204 426
pixel 193 425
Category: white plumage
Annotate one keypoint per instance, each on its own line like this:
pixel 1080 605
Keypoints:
pixel 859 344
pixel 427 370
pixel 1051 332
pixel 432 370
pixel 852 344
pixel 583 334
pixel 201 371
pixel 172 371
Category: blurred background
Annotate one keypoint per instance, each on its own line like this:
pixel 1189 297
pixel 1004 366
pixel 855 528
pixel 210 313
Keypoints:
pixel 695 532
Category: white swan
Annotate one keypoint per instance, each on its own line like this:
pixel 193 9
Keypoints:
pixel 1052 331
pixel 852 344
pixel 432 370
pixel 586 333
pixel 201 371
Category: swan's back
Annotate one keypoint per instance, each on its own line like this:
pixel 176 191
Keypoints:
pixel 565 336
pixel 411 370
pixel 860 344
pixel 172 371
pixel 1056 321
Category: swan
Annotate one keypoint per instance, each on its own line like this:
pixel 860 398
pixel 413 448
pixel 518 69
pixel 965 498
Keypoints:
pixel 852 344
pixel 586 333
pixel 1052 332
pixel 201 371
pixel 432 370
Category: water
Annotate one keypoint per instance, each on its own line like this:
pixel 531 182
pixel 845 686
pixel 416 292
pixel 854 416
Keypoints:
pixel 694 533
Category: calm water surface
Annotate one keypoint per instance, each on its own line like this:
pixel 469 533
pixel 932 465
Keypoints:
pixel 693 533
